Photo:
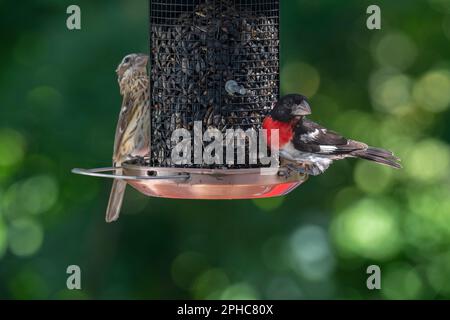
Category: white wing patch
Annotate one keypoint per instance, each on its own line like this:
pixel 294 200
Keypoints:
pixel 310 136
pixel 327 149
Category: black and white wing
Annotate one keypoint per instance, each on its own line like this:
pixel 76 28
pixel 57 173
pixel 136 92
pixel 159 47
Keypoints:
pixel 311 137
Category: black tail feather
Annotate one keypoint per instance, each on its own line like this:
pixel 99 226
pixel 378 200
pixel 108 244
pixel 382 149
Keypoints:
pixel 381 156
pixel 377 152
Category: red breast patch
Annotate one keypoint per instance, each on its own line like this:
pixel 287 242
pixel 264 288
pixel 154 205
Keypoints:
pixel 284 130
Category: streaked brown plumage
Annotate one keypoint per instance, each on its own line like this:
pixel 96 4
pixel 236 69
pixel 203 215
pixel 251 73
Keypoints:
pixel 133 128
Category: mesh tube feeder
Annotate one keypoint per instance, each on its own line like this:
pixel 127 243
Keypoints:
pixel 214 65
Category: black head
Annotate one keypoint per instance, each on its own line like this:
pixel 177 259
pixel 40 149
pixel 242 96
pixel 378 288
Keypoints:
pixel 290 107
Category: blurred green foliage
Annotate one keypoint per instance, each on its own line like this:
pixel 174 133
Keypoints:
pixel 59 103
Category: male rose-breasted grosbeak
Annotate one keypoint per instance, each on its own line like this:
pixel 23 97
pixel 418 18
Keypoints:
pixel 310 148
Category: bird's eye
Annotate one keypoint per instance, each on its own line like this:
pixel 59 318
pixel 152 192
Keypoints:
pixel 126 60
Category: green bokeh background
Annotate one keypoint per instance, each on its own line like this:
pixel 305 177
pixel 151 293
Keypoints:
pixel 58 106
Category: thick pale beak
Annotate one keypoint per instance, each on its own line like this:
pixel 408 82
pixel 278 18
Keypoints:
pixel 118 68
pixel 143 60
pixel 302 109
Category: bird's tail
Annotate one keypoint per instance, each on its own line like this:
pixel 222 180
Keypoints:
pixel 378 155
pixel 115 200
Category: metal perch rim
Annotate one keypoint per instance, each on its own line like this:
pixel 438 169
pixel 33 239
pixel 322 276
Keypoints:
pixel 98 172
pixel 212 184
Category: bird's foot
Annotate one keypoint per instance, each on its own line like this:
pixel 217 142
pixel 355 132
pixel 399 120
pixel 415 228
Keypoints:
pixel 139 160
pixel 291 169
pixel 305 167
pixel 287 170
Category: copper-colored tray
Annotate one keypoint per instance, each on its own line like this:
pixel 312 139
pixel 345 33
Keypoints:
pixel 213 184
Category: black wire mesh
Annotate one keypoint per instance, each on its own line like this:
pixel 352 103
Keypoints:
pixel 196 48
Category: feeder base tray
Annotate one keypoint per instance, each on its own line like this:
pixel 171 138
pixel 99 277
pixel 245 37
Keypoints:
pixel 213 184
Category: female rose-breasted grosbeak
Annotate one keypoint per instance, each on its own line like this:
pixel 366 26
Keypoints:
pixel 310 148
pixel 133 128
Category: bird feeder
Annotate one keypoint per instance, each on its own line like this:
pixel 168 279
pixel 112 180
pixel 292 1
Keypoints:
pixel 214 72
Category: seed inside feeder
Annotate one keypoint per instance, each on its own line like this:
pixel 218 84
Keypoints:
pixel 197 48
